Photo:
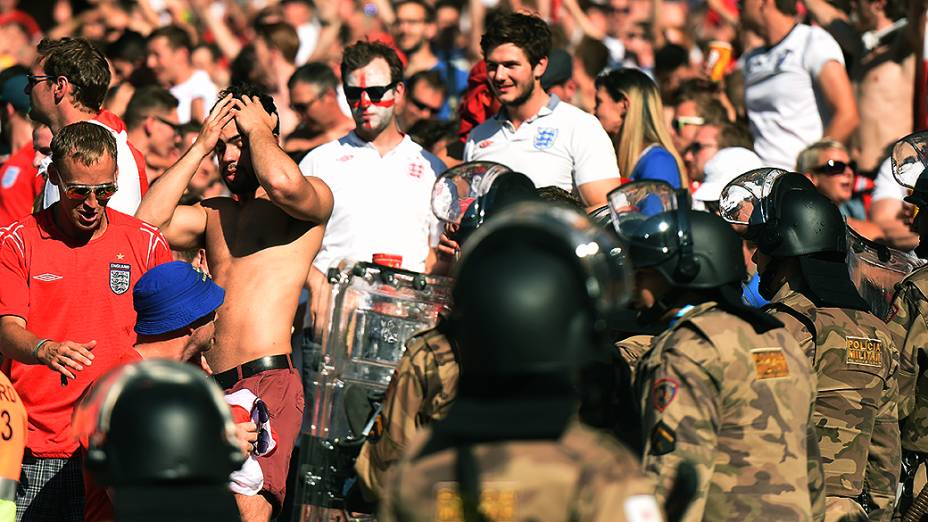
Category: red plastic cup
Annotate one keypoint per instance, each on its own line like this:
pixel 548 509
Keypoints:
pixel 390 260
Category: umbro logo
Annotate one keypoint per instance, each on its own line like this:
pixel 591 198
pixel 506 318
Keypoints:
pixel 48 277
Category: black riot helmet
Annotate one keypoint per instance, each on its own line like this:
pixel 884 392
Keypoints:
pixel 159 432
pixel 909 161
pixel 691 249
pixel 466 195
pixel 787 217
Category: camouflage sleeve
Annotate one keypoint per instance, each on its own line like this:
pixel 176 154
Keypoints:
pixel 885 458
pixel 910 334
pixel 681 415
pixel 401 405
pixel 816 473
pixel 631 349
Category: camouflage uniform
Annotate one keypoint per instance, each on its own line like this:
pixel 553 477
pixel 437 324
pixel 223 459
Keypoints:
pixel 421 392
pixel 584 476
pixel 632 348
pixel 737 406
pixel 855 359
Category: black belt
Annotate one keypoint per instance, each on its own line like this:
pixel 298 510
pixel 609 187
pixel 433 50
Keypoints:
pixel 228 378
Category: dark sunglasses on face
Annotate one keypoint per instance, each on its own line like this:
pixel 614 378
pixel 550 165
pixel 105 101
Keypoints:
pixel 79 192
pixel 619 10
pixel 423 106
pixel 696 146
pixel 32 79
pixel 834 167
pixel 375 93
pixel 169 123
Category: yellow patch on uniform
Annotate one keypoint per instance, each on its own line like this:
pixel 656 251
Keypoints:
pixel 863 351
pixel 770 363
pixel 498 501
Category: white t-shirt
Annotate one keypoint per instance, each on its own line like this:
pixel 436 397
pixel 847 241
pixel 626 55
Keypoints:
pixel 561 146
pixel 309 37
pixel 885 185
pixel 382 204
pixel 198 86
pixel 785 106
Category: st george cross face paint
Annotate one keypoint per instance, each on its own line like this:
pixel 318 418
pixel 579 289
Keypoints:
pixel 372 117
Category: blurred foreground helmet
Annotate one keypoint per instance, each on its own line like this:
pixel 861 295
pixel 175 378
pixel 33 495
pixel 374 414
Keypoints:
pixel 786 216
pixel 154 430
pixel 691 249
pixel 909 159
pixel 466 195
pixel 534 291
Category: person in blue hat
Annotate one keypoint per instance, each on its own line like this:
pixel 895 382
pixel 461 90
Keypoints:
pixel 176 306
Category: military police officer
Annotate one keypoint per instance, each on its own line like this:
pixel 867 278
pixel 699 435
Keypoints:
pixel 725 387
pixel 801 249
pixel 533 294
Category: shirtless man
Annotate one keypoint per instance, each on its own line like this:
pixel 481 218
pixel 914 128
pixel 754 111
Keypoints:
pixel 259 247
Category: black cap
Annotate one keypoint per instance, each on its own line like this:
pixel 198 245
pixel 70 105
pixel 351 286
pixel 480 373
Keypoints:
pixel 560 69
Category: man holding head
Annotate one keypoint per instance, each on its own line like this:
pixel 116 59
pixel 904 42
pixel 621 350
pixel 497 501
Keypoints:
pixel 68 83
pixel 551 141
pixel 66 312
pixel 258 245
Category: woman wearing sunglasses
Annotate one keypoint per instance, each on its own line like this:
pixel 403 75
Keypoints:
pixel 628 104
pixel 828 165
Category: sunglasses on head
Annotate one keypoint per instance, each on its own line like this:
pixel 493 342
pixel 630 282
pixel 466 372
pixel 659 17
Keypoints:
pixel 375 93
pixel 682 121
pixel 78 192
pixel 834 167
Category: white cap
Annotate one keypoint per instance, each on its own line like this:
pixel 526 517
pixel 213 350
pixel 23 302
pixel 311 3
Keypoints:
pixel 726 165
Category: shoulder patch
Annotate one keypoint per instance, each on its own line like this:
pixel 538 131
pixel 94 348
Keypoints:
pixel 770 363
pixel 863 351
pixel 664 392
pixel 663 439
pixel 498 501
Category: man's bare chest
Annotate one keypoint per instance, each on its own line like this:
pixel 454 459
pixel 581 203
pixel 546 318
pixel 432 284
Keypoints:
pixel 239 230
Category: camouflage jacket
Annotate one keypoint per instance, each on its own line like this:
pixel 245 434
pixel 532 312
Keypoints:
pixel 421 391
pixel 735 404
pixel 909 318
pixel 855 359
pixel 632 348
pixel 584 476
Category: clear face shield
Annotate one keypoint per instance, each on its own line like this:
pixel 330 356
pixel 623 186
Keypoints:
pixel 875 269
pixel 633 204
pixel 741 202
pixel 458 194
pixel 910 156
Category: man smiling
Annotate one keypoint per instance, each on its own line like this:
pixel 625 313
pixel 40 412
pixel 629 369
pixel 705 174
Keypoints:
pixel 551 141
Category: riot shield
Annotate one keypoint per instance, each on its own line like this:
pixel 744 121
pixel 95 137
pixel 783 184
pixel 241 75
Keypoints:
pixel 875 269
pixel 373 311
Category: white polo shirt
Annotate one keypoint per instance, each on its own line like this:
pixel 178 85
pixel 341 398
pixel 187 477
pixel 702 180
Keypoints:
pixel 785 106
pixel 560 146
pixel 198 87
pixel 382 204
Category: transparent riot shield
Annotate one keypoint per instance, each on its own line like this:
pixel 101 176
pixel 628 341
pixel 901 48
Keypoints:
pixel 875 269
pixel 374 310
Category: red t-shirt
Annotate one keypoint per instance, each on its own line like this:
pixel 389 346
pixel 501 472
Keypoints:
pixel 73 293
pixel 20 184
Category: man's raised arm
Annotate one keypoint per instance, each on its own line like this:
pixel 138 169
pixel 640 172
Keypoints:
pixel 183 225
pixel 304 198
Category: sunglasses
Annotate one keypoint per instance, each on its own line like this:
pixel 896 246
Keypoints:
pixel 423 106
pixel 374 93
pixel 618 10
pixel 682 121
pixel 78 192
pixel 169 123
pixel 696 146
pixel 32 79
pixel 303 107
pixel 260 416
pixel 834 167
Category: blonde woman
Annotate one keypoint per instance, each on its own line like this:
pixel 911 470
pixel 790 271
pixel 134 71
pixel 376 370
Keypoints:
pixel 628 104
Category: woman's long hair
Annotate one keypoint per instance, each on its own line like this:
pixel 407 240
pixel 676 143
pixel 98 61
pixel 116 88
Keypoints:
pixel 644 123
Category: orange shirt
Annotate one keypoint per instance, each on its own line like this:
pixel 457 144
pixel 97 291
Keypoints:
pixel 12 431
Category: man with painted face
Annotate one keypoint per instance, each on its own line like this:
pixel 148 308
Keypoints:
pixel 801 254
pixel 381 179
pixel 259 244
pixel 724 387
pixel 551 141
pixel 908 316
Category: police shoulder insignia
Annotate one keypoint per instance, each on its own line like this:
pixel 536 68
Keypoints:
pixel 863 351
pixel 498 501
pixel 120 276
pixel 770 363
pixel 664 392
pixel 663 439
pixel 544 138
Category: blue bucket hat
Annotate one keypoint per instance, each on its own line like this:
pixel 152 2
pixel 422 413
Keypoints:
pixel 172 296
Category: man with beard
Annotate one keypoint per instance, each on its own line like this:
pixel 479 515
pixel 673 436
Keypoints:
pixel 551 141
pixel 66 312
pixel 382 181
pixel 255 243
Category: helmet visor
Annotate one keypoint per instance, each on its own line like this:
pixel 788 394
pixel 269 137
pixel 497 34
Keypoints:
pixel 633 203
pixel 458 191
pixel 740 200
pixel 909 158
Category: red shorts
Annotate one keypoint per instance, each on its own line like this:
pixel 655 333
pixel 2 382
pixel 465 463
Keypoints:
pixel 282 392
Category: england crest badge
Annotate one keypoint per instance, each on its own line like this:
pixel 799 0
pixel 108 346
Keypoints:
pixel 9 177
pixel 544 138
pixel 120 277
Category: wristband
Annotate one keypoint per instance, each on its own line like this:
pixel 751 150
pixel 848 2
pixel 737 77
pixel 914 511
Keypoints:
pixel 35 351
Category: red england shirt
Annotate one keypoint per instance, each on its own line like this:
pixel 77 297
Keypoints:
pixel 71 293
pixel 20 184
